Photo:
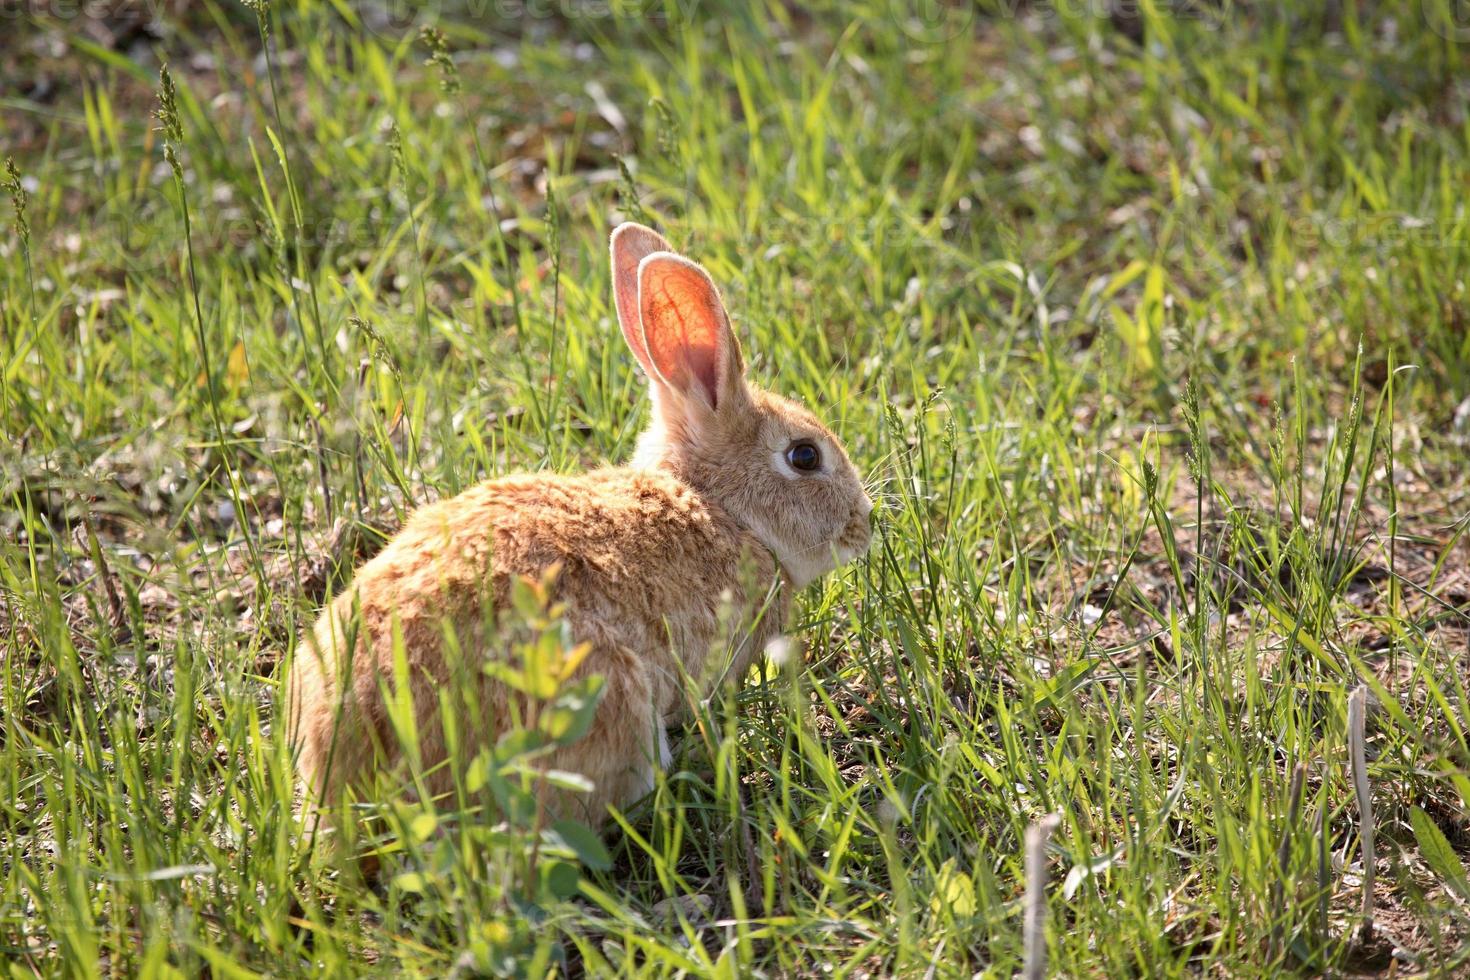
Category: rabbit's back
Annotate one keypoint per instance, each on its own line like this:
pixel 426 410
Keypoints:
pixel 647 568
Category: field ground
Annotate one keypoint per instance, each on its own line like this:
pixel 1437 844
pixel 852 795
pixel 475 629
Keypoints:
pixel 1150 328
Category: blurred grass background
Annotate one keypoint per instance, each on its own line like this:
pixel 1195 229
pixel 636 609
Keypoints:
pixel 1149 318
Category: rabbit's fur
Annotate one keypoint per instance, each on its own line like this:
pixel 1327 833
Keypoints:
pixel 653 560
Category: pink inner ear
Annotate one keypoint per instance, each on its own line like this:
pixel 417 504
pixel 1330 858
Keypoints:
pixel 631 242
pixel 684 325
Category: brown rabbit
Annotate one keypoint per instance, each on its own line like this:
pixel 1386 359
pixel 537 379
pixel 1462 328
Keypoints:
pixel 732 489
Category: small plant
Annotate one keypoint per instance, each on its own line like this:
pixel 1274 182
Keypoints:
pixel 487 855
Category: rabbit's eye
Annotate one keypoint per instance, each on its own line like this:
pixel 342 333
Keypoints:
pixel 804 456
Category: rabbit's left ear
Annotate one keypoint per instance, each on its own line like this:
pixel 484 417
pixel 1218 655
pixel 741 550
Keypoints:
pixel 631 243
pixel 686 332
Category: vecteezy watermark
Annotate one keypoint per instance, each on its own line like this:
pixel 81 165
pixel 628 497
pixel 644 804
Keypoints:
pixel 142 234
pixel 933 21
pixel 942 21
pixel 1450 19
pixel 389 20
pixel 1370 232
pixel 392 20
pixel 1134 9
pixel 107 12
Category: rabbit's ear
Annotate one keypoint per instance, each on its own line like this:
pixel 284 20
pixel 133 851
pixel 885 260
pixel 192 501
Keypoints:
pixel 631 242
pixel 686 332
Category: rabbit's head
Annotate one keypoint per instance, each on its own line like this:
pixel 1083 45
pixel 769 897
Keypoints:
pixel 765 459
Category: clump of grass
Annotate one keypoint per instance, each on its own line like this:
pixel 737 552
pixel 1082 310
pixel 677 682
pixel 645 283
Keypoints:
pixel 1152 351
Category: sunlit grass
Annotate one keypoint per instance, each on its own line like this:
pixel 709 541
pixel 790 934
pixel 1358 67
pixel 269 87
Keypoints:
pixel 1152 353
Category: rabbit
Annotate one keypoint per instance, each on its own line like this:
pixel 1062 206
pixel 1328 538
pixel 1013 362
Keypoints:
pixel 735 496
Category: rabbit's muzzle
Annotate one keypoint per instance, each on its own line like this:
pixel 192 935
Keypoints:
pixel 856 535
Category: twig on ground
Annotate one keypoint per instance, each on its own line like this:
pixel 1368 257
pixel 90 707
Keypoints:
pixel 1358 762
pixel 1034 930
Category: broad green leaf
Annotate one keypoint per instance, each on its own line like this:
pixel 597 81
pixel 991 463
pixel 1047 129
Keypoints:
pixel 1438 853
pixel 560 878
pixel 585 843
pixel 954 891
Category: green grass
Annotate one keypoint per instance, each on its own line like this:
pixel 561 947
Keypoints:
pixel 1155 350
